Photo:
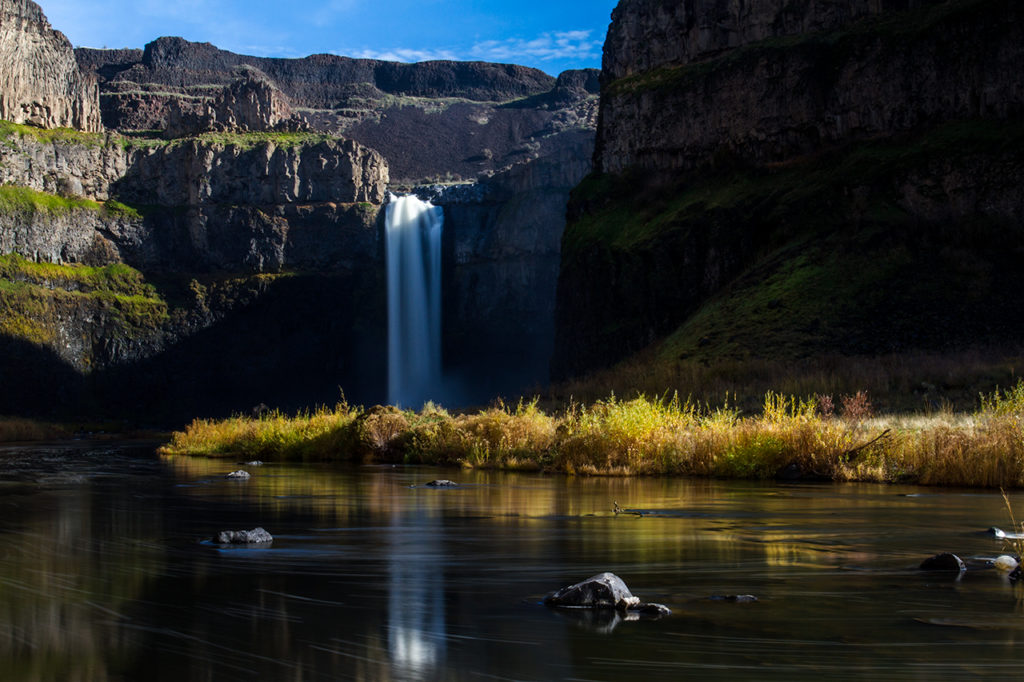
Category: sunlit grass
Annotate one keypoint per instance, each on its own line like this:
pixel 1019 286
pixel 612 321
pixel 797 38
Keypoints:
pixel 788 437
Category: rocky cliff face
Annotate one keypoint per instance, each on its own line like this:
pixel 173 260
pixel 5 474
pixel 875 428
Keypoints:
pixel 502 243
pixel 234 204
pixel 252 103
pixel 431 120
pixel 769 101
pixel 223 218
pixel 748 150
pixel 42 84
pixel 243 262
pixel 649 34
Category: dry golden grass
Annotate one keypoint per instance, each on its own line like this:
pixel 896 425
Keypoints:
pixel 787 437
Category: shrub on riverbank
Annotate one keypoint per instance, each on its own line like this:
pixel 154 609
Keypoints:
pixel 789 438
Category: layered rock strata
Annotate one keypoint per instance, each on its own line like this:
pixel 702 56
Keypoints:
pixel 42 84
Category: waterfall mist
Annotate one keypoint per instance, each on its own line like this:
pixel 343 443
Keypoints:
pixel 413 252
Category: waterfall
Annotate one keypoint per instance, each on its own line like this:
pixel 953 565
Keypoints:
pixel 413 244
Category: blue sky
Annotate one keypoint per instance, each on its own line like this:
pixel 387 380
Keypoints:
pixel 552 35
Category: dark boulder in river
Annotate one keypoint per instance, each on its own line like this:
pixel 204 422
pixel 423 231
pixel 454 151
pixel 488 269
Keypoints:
pixel 603 591
pixel 443 483
pixel 944 562
pixel 256 536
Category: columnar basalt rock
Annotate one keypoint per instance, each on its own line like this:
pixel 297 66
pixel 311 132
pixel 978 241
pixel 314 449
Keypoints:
pixel 42 84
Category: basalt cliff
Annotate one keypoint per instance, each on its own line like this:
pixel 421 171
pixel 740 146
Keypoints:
pixel 218 243
pixel 42 84
pixel 784 179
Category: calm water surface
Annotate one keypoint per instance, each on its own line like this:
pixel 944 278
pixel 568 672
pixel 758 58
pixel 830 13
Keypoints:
pixel 371 576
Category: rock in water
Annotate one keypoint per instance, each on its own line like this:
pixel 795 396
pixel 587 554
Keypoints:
pixel 256 536
pixel 1005 563
pixel 735 598
pixel 603 591
pixel 443 483
pixel 944 562
pixel 240 475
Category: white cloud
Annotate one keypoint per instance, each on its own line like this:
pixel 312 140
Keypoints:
pixel 329 11
pixel 574 45
pixel 404 54
pixel 552 45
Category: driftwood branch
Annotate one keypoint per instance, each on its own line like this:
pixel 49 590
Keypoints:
pixel 853 451
pixel 619 510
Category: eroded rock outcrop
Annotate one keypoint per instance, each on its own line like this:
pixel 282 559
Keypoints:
pixel 251 103
pixel 42 84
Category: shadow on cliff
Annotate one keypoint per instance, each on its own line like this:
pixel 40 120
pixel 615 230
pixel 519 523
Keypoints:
pixel 301 344
pixel 36 381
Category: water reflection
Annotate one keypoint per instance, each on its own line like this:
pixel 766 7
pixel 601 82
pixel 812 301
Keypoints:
pixel 416 630
pixel 102 576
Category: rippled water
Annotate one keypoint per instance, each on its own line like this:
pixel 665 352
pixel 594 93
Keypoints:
pixel 371 576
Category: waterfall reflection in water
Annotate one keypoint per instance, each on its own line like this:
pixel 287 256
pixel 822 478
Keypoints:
pixel 102 575
pixel 416 632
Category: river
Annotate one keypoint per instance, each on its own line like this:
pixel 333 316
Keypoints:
pixel 105 575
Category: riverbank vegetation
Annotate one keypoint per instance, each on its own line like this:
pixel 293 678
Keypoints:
pixel 19 429
pixel 818 437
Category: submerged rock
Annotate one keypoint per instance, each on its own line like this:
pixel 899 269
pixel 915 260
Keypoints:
pixel 997 533
pixel 239 475
pixel 944 562
pixel 603 591
pixel 442 483
pixel 736 598
pixel 256 536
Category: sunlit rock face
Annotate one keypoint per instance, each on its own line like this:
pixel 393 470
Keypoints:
pixel 251 103
pixel 42 84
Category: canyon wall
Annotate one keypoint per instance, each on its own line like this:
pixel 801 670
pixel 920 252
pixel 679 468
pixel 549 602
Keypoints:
pixel 769 101
pixel 502 254
pixel 42 84
pixel 431 120
pixel 225 231
pixel 786 179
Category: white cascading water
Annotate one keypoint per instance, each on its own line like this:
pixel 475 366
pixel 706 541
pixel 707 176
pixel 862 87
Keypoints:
pixel 412 237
